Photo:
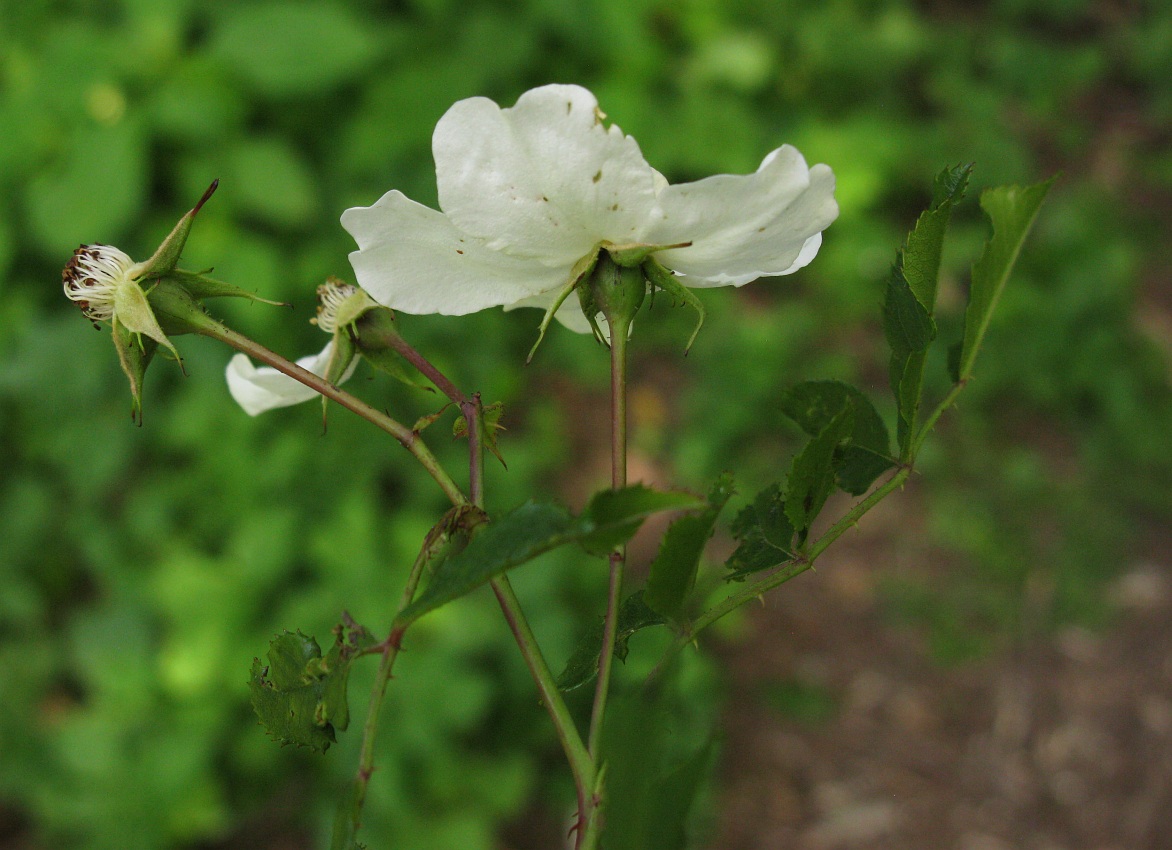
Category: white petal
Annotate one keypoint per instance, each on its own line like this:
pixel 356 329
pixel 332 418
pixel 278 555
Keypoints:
pixel 258 390
pixel 544 179
pixel 747 226
pixel 412 258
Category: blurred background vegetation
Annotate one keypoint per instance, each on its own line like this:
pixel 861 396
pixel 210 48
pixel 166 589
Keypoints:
pixel 143 568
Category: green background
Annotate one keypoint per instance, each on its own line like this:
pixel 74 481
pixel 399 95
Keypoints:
pixel 142 569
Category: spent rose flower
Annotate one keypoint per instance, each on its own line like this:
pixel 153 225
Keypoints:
pixel 257 389
pixel 530 195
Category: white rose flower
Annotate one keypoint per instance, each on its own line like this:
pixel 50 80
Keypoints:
pixel 530 193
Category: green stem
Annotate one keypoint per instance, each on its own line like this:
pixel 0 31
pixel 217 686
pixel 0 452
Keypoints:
pixel 581 764
pixel 618 480
pixel 782 574
pixel 930 422
pixel 406 437
pixel 378 691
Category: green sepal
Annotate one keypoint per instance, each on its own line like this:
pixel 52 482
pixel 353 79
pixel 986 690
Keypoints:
pixel 430 419
pixel 581 269
pixel 373 328
pixel 134 312
pixel 341 356
pixel 176 310
pixel 1011 211
pixel 490 424
pixel 812 475
pixel 673 572
pixel 135 353
pixel 634 254
pixel 300 695
pixel 166 256
pixel 582 666
pixel 660 278
pixel 764 535
pixel 199 286
pixel 867 453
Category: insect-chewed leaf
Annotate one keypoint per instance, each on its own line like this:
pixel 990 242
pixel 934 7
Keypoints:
pixel 582 668
pixel 673 573
pixel 765 535
pixel 811 478
pixel 867 453
pixel 300 696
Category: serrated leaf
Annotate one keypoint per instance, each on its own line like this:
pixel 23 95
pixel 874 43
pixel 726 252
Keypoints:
pixel 811 478
pixel 910 330
pixel 951 184
pixel 300 696
pixel 907 379
pixel 1011 211
pixel 533 529
pixel 920 258
pixel 582 668
pixel 812 404
pixel 673 573
pixel 765 535
pixel 906 323
pixel 612 517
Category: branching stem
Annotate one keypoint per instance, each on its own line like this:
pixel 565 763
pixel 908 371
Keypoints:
pixel 405 436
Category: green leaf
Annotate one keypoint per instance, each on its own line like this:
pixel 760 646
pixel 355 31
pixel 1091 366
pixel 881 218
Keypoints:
pixel 1011 211
pixel 673 573
pixel 655 769
pixel 634 615
pixel 765 535
pixel 811 478
pixel 284 49
pixel 299 696
pixel 920 258
pixel 910 330
pixel 812 405
pixel 906 323
pixel 610 519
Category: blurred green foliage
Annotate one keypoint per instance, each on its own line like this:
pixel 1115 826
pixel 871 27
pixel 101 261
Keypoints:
pixel 143 569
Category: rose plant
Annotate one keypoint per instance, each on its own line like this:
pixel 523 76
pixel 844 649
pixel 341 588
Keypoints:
pixel 541 201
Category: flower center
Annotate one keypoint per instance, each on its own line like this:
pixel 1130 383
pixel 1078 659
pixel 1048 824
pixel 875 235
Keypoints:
pixel 93 276
pixel 341 304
